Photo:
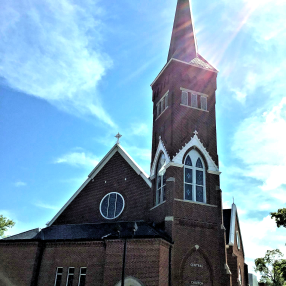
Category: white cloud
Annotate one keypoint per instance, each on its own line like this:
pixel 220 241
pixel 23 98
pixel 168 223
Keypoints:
pixel 78 159
pixel 20 184
pixel 260 236
pixel 51 50
pixel 46 206
pixel 140 129
pixel 260 143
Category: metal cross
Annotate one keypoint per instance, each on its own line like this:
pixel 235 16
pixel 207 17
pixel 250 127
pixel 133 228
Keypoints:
pixel 118 136
pixel 196 132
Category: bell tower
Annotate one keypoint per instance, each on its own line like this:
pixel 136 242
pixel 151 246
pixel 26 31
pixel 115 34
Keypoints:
pixel 184 165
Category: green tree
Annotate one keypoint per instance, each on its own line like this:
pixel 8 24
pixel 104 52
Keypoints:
pixel 5 223
pixel 272 268
pixel 280 217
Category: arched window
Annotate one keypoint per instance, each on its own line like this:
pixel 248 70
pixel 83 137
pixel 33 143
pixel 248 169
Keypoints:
pixel 161 180
pixel 195 178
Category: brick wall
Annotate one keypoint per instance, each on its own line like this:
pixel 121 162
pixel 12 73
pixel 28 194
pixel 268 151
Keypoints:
pixel 116 176
pixel 17 263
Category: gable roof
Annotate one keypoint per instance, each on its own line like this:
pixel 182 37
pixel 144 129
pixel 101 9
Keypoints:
pixel 195 141
pixel 116 148
pixel 229 219
pixel 161 148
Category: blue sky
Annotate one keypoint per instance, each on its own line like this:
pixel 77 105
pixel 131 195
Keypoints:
pixel 74 74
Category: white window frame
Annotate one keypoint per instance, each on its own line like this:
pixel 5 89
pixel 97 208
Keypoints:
pixel 115 203
pixel 194 100
pixel 206 102
pixel 185 96
pixel 162 105
pixel 163 187
pixel 70 274
pixel 81 274
pixel 194 155
pixel 59 274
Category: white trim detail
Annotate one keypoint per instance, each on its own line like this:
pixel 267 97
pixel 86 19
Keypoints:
pixel 197 203
pixel 115 216
pixel 195 141
pixel 161 148
pixel 116 148
pixel 232 231
pixel 193 91
pixel 169 218
pixel 189 64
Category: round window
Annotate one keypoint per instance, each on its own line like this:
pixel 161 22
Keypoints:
pixel 112 205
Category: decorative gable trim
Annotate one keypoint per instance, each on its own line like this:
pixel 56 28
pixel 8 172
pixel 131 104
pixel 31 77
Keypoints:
pixel 195 141
pixel 232 232
pixel 161 148
pixel 96 170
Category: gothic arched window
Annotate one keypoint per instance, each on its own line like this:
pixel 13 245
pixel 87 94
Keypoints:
pixel 195 178
pixel 161 180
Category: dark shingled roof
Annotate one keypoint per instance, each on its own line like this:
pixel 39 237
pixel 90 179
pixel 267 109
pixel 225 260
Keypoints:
pixel 24 235
pixel 101 231
pixel 226 223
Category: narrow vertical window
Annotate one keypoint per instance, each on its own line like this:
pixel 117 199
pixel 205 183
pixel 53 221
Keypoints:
pixel 82 276
pixel 204 103
pixel 59 275
pixel 161 180
pixel 158 109
pixel 194 100
pixel 162 105
pixel 184 99
pixel 166 100
pixel 195 187
pixel 70 276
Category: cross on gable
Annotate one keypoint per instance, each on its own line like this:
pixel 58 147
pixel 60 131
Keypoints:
pixel 118 136
pixel 196 132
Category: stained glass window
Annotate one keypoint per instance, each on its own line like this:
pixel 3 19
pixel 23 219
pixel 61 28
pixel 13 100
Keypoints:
pixel 194 178
pixel 188 175
pixel 199 163
pixel 112 205
pixel 199 177
pixel 188 192
pixel 188 161
pixel 199 194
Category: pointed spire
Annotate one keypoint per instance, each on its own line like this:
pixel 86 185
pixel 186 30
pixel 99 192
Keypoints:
pixel 183 42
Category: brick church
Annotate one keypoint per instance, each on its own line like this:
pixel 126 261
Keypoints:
pixel 123 227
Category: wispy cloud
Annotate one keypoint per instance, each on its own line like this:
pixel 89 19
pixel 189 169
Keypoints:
pixel 260 144
pixel 139 129
pixel 20 184
pixel 51 50
pixel 46 206
pixel 78 159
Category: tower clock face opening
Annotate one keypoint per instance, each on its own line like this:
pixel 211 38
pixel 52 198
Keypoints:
pixel 112 205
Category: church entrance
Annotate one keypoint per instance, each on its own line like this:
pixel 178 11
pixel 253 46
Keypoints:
pixel 130 281
pixel 196 270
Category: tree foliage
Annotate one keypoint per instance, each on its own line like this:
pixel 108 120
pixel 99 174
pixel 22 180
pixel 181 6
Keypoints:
pixel 280 217
pixel 272 268
pixel 5 223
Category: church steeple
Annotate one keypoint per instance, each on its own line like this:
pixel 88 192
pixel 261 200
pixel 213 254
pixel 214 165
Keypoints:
pixel 183 42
